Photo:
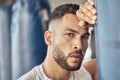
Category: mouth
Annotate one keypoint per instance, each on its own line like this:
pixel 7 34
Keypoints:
pixel 76 57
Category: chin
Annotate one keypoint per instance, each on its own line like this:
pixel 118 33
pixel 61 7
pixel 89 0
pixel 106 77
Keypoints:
pixel 74 68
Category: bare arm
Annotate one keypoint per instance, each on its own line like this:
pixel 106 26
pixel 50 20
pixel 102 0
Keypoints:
pixel 91 66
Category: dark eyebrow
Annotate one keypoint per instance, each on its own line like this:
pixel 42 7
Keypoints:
pixel 72 30
pixel 87 33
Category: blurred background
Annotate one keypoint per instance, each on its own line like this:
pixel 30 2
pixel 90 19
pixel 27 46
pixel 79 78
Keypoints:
pixel 22 25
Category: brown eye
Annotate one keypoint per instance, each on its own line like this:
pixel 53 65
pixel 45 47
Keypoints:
pixel 71 34
pixel 86 37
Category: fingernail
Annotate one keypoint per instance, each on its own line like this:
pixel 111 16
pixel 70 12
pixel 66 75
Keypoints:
pixel 81 23
pixel 92 22
pixel 94 17
pixel 94 11
pixel 92 3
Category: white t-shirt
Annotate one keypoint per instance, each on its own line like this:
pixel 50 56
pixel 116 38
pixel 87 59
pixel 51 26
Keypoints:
pixel 37 73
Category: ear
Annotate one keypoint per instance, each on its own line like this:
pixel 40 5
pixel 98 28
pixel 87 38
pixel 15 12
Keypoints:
pixel 48 37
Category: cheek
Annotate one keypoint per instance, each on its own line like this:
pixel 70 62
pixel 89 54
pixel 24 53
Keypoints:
pixel 85 44
pixel 64 46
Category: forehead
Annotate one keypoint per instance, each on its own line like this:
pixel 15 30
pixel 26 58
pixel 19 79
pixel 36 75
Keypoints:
pixel 71 21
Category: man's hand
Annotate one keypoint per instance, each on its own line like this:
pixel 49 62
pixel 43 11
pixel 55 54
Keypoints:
pixel 87 14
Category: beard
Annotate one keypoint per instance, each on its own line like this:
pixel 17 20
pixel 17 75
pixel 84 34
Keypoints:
pixel 61 59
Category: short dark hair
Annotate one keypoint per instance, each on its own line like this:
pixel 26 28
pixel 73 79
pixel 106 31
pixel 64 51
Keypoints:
pixel 61 10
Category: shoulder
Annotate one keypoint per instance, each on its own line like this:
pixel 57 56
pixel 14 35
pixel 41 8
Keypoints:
pixel 91 67
pixel 81 74
pixel 31 75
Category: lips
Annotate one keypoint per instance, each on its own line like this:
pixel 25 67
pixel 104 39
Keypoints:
pixel 76 56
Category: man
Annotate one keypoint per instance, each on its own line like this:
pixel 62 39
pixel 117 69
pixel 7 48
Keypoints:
pixel 67 40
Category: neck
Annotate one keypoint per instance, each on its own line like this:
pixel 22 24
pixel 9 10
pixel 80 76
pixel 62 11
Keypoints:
pixel 53 70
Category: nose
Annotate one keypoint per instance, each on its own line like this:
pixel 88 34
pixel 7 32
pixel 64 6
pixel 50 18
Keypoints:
pixel 77 44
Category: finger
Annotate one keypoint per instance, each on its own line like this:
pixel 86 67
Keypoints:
pixel 90 8
pixel 86 25
pixel 91 2
pixel 87 12
pixel 82 16
pixel 81 23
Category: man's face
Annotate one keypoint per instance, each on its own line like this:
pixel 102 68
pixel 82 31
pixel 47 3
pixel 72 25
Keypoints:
pixel 70 42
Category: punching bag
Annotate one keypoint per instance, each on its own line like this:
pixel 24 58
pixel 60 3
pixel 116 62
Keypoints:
pixel 28 46
pixel 5 43
pixel 107 36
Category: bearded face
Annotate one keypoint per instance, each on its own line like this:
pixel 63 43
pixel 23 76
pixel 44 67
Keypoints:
pixel 65 61
pixel 68 42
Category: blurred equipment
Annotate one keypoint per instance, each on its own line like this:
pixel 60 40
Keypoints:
pixel 22 43
pixel 107 35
